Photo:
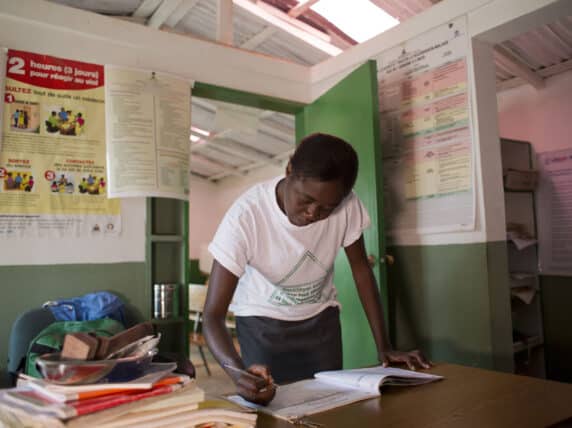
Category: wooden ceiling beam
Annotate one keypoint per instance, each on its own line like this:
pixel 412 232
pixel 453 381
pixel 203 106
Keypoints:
pixel 216 166
pixel 259 38
pixel 146 8
pixel 280 20
pixel 298 10
pixel 235 148
pixel 180 12
pixel 247 168
pixel 516 67
pixel 547 72
pixel 392 8
pixel 224 22
pixel 162 13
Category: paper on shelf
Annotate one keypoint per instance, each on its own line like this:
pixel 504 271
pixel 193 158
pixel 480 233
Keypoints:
pixel 523 279
pixel 526 294
pixel 521 242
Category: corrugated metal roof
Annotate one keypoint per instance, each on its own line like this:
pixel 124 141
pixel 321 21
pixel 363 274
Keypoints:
pixel 539 53
pixel 545 51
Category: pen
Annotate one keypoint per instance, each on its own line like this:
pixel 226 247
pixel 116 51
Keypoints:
pixel 250 375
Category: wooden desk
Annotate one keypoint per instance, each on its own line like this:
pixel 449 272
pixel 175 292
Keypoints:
pixel 467 397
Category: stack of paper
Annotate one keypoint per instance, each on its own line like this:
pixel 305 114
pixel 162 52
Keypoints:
pixel 521 241
pixel 38 397
pixel 523 279
pixel 523 286
pixel 156 400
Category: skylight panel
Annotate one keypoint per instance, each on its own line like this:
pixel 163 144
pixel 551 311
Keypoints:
pixel 359 19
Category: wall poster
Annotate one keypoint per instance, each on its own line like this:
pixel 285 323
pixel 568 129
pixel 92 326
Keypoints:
pixel 148 133
pixel 554 212
pixel 53 178
pixel 426 132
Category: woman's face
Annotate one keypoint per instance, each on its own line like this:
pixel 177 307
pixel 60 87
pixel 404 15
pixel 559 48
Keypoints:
pixel 307 200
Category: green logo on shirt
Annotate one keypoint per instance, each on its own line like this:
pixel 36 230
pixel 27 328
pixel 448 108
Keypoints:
pixel 295 289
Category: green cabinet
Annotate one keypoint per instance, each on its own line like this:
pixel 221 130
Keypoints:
pixel 350 110
pixel 167 255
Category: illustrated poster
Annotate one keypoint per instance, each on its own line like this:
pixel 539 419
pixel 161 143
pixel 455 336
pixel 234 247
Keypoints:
pixel 53 178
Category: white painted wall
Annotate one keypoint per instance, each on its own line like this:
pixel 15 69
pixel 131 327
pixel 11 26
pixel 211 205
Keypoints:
pixel 204 214
pixel 231 188
pixel 48 28
pixel 52 29
pixel 209 202
pixel 488 22
pixel 543 117
pixel 129 246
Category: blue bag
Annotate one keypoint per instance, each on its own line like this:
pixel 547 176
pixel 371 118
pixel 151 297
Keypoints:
pixel 91 306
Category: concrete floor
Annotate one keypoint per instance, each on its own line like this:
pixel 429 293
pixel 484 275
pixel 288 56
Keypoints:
pixel 218 383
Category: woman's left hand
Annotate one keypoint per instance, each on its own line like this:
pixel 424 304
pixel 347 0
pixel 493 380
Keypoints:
pixel 413 359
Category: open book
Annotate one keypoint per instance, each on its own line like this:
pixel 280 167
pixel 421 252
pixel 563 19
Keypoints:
pixel 331 389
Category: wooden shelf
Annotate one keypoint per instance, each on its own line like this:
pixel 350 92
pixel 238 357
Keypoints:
pixel 167 321
pixel 167 238
pixel 529 343
pixel 167 255
pixel 520 213
pixel 517 191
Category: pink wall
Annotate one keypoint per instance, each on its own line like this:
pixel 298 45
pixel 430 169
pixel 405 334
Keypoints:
pixel 209 202
pixel 543 117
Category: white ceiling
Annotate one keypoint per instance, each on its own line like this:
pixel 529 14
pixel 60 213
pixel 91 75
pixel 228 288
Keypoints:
pixel 234 148
pixel 281 29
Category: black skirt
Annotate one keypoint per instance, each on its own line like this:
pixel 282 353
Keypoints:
pixel 293 350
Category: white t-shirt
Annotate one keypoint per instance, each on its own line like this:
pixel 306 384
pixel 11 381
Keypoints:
pixel 285 271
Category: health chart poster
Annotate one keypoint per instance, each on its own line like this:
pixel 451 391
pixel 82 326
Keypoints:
pixel 148 133
pixel 554 212
pixel 53 178
pixel 426 132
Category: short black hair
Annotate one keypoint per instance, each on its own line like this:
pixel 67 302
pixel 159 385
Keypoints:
pixel 326 158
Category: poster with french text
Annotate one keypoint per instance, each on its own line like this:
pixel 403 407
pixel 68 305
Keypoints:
pixel 426 133
pixel 53 178
pixel 554 212
pixel 148 133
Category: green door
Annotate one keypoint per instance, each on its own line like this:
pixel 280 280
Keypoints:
pixel 350 110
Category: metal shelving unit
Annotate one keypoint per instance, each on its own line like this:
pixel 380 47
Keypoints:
pixel 526 308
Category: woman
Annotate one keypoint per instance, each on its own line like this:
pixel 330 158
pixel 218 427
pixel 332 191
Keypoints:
pixel 274 254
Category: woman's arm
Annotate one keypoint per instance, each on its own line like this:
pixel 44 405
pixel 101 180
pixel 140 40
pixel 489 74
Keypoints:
pixel 371 301
pixel 222 284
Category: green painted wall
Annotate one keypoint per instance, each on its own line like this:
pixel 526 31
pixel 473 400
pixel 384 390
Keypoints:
pixel 350 111
pixel 195 274
pixel 250 99
pixel 556 293
pixel 452 301
pixel 26 287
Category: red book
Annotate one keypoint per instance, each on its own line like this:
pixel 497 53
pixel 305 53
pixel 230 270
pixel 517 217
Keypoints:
pixel 109 389
pixel 30 399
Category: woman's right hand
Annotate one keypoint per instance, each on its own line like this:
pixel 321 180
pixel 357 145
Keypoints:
pixel 258 388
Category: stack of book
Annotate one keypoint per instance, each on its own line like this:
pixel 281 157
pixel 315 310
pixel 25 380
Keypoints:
pixel 157 399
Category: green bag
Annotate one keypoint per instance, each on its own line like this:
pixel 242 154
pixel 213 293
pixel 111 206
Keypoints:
pixel 51 338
